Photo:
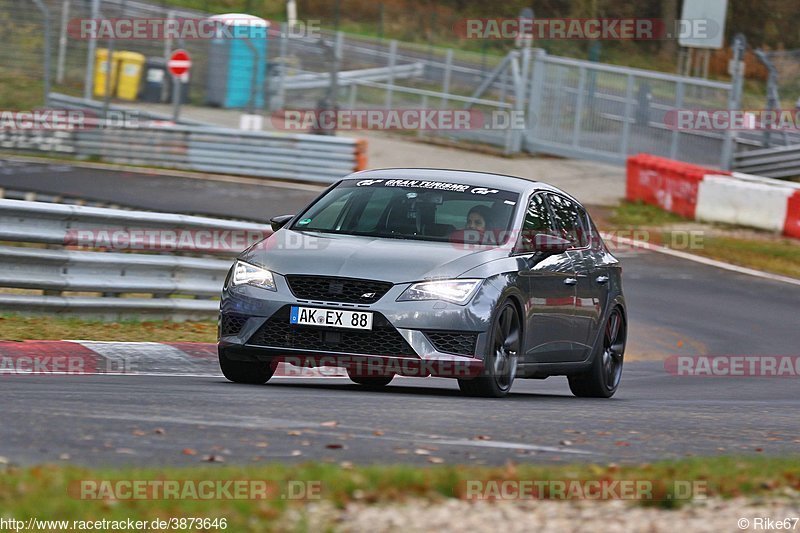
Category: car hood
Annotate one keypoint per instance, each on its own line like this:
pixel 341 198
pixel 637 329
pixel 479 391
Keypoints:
pixel 395 260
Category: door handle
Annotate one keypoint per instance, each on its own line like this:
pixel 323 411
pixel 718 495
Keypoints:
pixel 602 279
pixel 570 281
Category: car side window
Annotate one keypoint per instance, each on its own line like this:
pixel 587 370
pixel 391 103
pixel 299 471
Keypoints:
pixel 570 219
pixel 537 220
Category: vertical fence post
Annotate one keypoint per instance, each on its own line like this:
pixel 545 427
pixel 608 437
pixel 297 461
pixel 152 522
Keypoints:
pixel 392 62
pixel 90 51
pixel 514 139
pixel 535 97
pixel 284 49
pixel 627 117
pixel 338 47
pixel 167 37
pixel 734 98
pixel 424 105
pixel 351 104
pixel 62 42
pixel 680 89
pixel 109 71
pixel 576 127
pixel 46 19
pixel 448 71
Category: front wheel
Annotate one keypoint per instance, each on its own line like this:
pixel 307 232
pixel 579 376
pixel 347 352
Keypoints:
pixel 252 373
pixel 502 355
pixel 603 377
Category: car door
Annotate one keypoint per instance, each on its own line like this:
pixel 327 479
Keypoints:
pixel 550 290
pixel 573 224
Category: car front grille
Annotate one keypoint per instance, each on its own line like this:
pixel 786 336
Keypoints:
pixel 454 342
pixel 382 339
pixel 232 324
pixel 333 289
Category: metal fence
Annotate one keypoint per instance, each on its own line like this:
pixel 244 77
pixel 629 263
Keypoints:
pixel 59 260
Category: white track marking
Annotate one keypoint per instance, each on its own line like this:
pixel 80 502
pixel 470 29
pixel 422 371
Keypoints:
pixel 703 260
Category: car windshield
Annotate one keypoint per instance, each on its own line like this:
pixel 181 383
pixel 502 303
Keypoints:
pixel 413 209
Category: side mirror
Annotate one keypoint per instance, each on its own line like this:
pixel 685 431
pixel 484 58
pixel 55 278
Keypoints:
pixel 280 221
pixel 550 244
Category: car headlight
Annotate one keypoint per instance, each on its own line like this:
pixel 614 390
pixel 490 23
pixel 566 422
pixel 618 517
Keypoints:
pixel 247 274
pixel 458 291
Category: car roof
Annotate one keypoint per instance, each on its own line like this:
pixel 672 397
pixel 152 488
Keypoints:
pixel 470 177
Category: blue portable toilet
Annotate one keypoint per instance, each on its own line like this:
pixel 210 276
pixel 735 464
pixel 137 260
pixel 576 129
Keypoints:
pixel 237 58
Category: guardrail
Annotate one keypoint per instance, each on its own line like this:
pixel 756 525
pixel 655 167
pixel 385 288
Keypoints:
pixel 112 263
pixel 321 80
pixel 776 162
pixel 152 142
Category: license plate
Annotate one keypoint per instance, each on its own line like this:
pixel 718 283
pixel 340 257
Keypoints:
pixel 333 318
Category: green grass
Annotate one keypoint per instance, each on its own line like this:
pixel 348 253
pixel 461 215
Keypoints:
pixel 17 327
pixel 49 491
pixel 760 250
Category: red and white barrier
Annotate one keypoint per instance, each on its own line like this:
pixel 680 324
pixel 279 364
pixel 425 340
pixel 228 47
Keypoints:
pixel 715 196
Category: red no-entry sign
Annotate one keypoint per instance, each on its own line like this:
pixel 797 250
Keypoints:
pixel 179 63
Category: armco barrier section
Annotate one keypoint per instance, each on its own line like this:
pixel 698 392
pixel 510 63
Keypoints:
pixel 714 196
pixel 151 141
pixel 131 263
pixel 302 157
pixel 671 185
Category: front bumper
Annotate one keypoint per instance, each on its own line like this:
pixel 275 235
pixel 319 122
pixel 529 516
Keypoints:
pixel 252 308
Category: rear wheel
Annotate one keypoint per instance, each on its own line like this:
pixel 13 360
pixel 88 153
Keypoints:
pixel 253 373
pixel 500 362
pixel 371 382
pixel 602 379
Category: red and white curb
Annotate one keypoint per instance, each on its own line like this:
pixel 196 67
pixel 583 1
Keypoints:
pixel 137 358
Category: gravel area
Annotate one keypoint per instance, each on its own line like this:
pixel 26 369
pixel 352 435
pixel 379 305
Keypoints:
pixel 713 515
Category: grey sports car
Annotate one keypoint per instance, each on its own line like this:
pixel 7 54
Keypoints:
pixel 426 272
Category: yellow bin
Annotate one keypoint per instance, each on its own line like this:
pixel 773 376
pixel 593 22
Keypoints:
pixel 100 67
pixel 130 74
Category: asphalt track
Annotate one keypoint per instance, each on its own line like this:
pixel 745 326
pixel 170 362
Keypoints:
pixel 676 307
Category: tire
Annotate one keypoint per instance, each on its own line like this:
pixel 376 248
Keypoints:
pixel 371 382
pixel 501 358
pixel 603 377
pixel 252 373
